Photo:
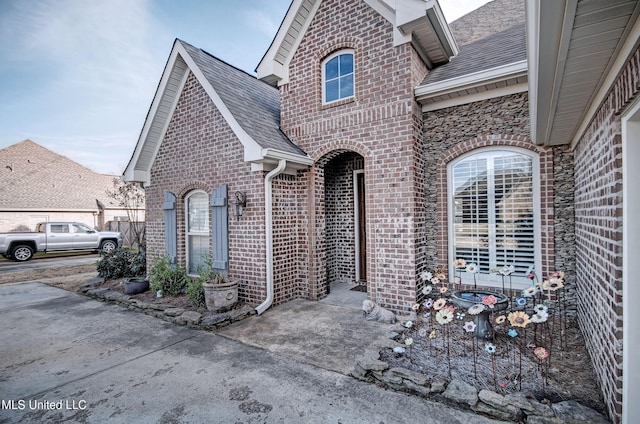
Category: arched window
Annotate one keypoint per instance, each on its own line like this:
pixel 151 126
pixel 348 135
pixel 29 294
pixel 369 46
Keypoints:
pixel 197 230
pixel 338 76
pixel 494 213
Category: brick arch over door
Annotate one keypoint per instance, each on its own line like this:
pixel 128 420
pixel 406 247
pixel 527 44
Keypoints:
pixel 323 266
pixel 545 156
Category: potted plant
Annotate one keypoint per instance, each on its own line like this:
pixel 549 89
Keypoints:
pixel 220 292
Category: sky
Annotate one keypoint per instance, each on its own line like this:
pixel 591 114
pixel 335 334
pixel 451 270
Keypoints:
pixel 78 76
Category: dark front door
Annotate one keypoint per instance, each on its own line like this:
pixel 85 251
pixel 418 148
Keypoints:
pixel 362 228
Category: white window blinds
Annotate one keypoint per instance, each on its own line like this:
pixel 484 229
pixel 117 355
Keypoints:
pixel 493 210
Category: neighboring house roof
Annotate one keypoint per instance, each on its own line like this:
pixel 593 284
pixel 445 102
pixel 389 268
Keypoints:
pixel 575 50
pixel 250 107
pixel 418 22
pixel 495 16
pixel 492 62
pixel 35 178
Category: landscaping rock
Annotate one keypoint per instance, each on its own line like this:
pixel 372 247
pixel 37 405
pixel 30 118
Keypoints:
pixel 571 412
pixel 438 386
pixel 511 413
pixel 529 404
pixel 173 312
pixel 536 419
pixel 98 292
pixel 189 318
pixel 368 363
pixel 417 388
pixel 496 405
pixel 461 392
pixel 413 376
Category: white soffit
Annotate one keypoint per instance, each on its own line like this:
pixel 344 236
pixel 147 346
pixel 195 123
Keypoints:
pixel 572 47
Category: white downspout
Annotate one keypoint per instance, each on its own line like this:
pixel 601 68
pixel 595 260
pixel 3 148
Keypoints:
pixel 268 222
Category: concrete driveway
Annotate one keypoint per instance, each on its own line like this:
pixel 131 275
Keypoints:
pixel 66 358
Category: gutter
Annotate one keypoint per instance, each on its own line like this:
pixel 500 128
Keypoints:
pixel 268 218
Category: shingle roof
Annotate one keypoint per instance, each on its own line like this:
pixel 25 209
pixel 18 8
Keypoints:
pixel 508 46
pixel 495 16
pixel 33 177
pixel 252 102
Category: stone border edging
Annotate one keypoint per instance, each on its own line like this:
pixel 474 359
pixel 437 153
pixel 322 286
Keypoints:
pixel 167 313
pixel 515 407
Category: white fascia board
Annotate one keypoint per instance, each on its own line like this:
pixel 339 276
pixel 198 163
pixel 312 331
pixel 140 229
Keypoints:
pixel 441 27
pixel 268 67
pixel 131 173
pixel 549 27
pixel 274 156
pixel 475 79
pixel 477 97
pixel 532 19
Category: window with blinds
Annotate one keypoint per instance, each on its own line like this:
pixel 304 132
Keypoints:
pixel 197 237
pixel 492 212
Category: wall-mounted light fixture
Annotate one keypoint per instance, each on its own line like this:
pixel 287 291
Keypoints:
pixel 240 203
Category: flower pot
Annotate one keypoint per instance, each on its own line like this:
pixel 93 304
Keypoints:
pixel 221 297
pixel 135 285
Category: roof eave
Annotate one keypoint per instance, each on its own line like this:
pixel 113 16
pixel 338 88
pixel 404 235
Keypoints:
pixel 510 78
pixel 549 27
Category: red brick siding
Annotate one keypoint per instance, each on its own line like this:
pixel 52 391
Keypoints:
pixel 379 123
pixel 200 151
pixel 598 209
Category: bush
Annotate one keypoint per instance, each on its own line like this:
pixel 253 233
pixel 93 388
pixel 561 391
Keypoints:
pixel 121 263
pixel 168 278
pixel 195 292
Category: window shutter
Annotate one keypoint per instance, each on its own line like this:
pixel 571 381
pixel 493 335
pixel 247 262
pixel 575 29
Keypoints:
pixel 220 229
pixel 170 227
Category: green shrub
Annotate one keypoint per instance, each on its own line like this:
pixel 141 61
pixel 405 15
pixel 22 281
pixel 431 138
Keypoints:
pixel 195 292
pixel 168 278
pixel 121 263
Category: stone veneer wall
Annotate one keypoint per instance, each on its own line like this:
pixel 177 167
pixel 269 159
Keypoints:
pixel 200 151
pixel 379 123
pixel 599 232
pixel 502 121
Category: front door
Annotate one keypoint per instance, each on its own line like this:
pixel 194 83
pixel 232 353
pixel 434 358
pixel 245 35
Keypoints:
pixel 361 227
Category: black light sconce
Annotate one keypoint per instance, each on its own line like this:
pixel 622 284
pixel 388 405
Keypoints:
pixel 240 203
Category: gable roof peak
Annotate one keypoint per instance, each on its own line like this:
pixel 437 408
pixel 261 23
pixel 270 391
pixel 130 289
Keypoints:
pixel 419 22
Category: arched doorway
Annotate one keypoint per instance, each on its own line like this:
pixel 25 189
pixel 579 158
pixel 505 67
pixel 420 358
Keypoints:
pixel 345 224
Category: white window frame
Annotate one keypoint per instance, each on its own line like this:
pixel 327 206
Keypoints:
pixel 324 79
pixel 188 233
pixel 495 279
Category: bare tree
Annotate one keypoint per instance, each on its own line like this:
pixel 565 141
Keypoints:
pixel 130 196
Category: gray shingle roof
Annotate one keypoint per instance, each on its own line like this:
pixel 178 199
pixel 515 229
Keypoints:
pixel 253 103
pixel 498 49
pixel 33 177
pixel 495 16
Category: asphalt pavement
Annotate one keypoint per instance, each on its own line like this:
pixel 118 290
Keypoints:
pixel 64 357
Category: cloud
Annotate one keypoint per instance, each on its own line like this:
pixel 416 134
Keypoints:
pixel 257 19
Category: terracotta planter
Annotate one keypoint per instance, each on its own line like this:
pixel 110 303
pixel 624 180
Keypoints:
pixel 221 297
pixel 135 285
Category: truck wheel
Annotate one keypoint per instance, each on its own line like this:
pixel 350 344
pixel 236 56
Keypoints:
pixel 108 246
pixel 22 253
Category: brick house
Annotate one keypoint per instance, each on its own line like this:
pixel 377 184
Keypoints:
pixel 38 185
pixel 378 141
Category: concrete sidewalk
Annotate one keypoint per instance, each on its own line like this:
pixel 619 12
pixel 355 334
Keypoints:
pixel 64 357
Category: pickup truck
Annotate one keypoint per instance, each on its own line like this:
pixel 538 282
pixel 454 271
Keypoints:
pixel 57 237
